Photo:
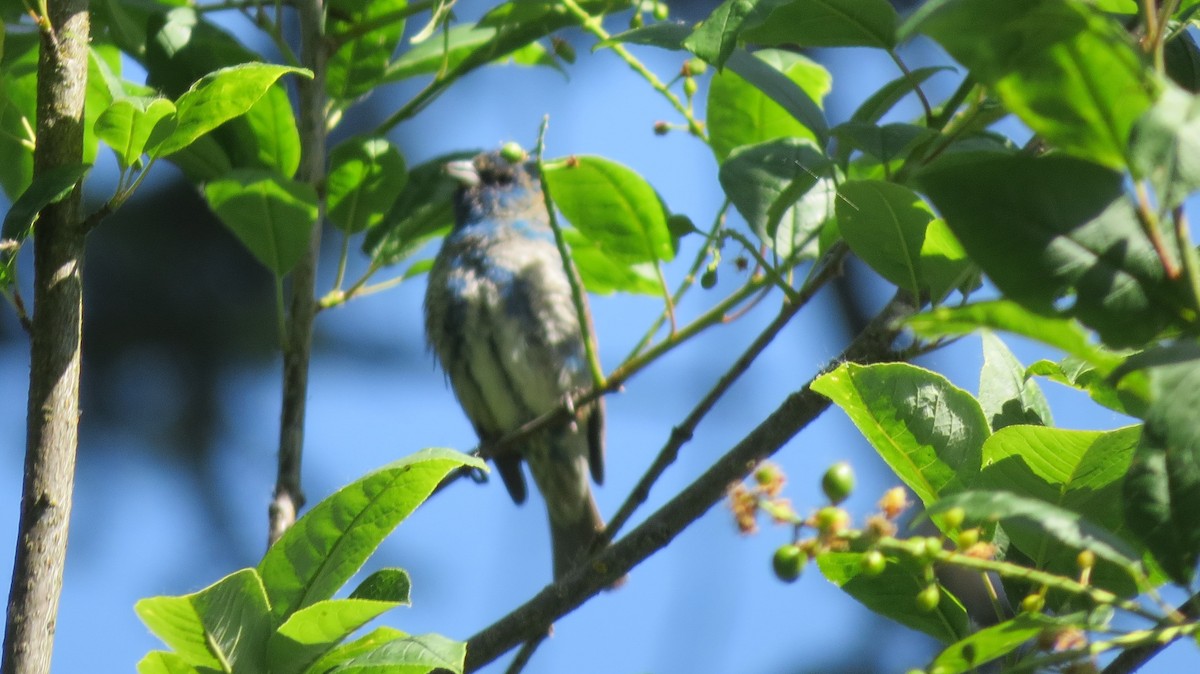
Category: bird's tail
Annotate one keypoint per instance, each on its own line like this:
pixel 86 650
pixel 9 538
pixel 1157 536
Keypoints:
pixel 574 538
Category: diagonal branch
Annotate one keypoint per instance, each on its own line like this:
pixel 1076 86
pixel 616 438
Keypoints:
pixel 797 411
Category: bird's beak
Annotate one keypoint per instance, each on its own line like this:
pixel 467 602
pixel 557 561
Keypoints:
pixel 463 171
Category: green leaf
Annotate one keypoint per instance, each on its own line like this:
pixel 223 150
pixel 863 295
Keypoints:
pixel 613 206
pixel 103 86
pixel 988 644
pixel 365 177
pixel 1050 535
pixel 18 112
pixel 313 631
pixel 330 543
pixel 826 23
pixel 48 187
pixel 769 95
pixel 385 585
pixel 944 264
pixel 409 655
pixel 893 594
pixel 1162 489
pixel 1079 374
pixel 359 64
pixel 163 662
pixel 1006 395
pixel 224 626
pixel 603 274
pixel 879 103
pixel 929 431
pixel 271 215
pixel 664 34
pixel 886 143
pixel 217 98
pixel 1182 57
pixel 1043 227
pixel 797 235
pixel 425 207
pixel 765 180
pixel 1080 471
pixel 1062 333
pixel 1069 72
pixel 884 224
pixel 127 123
pixel 364 644
pixel 1165 145
pixel 717 36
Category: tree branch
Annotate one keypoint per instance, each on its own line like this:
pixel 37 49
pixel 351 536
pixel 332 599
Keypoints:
pixel 800 408
pixel 297 352
pixel 56 332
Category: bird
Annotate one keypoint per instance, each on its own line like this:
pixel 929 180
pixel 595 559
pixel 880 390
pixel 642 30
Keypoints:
pixel 500 318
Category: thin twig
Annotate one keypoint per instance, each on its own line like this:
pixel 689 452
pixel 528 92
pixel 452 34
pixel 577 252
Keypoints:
pixel 523 656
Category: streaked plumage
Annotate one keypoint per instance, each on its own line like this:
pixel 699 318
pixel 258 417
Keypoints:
pixel 499 316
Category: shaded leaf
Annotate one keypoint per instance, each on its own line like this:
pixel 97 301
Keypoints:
pixel 884 224
pixel 1006 395
pixel 49 187
pixel 271 215
pixel 825 23
pixel 366 176
pixel 765 180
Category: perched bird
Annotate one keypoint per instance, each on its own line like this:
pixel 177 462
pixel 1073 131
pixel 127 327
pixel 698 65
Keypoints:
pixel 499 316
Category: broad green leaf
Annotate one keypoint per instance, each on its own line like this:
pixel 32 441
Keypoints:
pixel 103 86
pixel 18 112
pixel 424 208
pixel 224 626
pixel 893 594
pixel 359 63
pixel 1080 471
pixel 391 585
pixel 886 143
pixel 216 98
pixel 1042 227
pixel 765 180
pixel 126 125
pixel 311 632
pixel 1061 333
pixel 945 266
pixel 330 543
pixel 1079 374
pixel 164 662
pixel 825 23
pixel 1182 57
pixel 1162 489
pixel 1165 147
pixel 718 35
pixel 410 655
pixel 664 34
pixel 884 224
pixel 360 646
pixel 49 187
pixel 1069 72
pixel 769 95
pixel 929 431
pixel 271 215
pixel 797 235
pixel 1051 536
pixel 613 206
pixel 879 103
pixel 1008 398
pixel 447 51
pixel 182 49
pixel 988 644
pixel 366 176
pixel 603 274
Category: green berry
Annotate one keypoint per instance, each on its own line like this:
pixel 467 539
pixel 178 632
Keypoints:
pixel 954 518
pixel 636 20
pixel 708 279
pixel 838 482
pixel 1033 603
pixel 689 87
pixel 788 562
pixel 873 563
pixel 967 538
pixel 695 66
pixel 928 598
pixel 513 153
pixel 661 12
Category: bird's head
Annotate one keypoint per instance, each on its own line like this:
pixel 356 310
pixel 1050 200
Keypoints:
pixel 495 182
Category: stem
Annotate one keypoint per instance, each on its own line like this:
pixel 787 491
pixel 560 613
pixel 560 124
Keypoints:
pixel 358 30
pixel 289 497
pixel 56 334
pixel 1149 221
pixel 343 257
pixel 577 296
pixel 916 85
pixel 1183 241
pixel 593 25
